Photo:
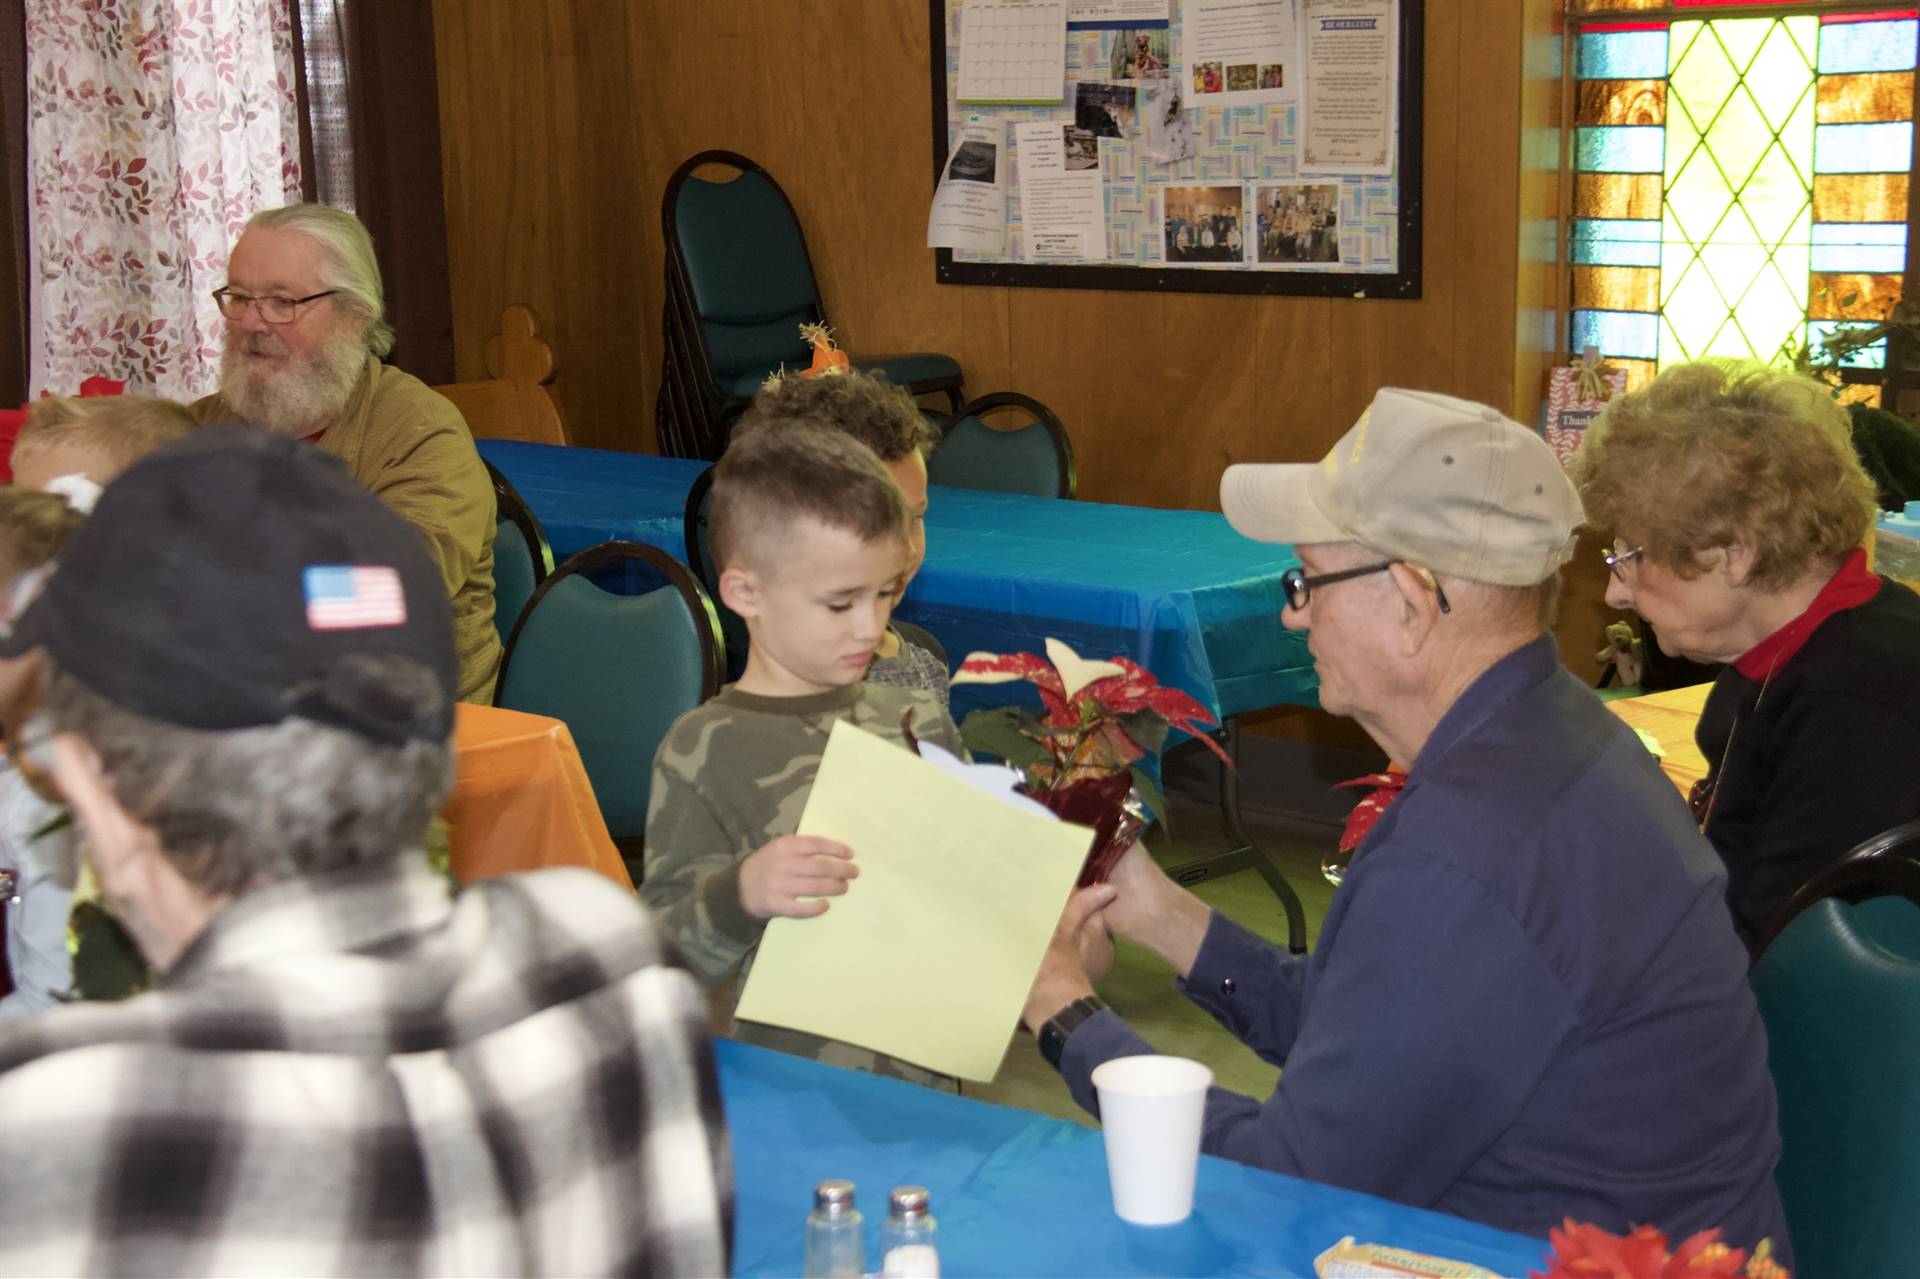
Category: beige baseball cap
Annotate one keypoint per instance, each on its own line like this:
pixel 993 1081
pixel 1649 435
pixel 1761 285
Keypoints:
pixel 1430 479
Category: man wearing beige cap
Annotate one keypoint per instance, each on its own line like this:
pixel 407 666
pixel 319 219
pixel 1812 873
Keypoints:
pixel 1527 1001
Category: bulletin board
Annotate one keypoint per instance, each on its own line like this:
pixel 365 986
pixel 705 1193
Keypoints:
pixel 1323 234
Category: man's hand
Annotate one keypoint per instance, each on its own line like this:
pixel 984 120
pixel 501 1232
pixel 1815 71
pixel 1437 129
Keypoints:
pixel 1153 911
pixel 1080 952
pixel 774 878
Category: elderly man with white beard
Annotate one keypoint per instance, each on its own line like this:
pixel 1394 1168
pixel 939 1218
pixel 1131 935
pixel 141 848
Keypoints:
pixel 306 327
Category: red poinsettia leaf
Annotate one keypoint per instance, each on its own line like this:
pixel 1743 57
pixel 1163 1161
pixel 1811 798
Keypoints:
pixel 1584 1251
pixel 1017 665
pixel 999 668
pixel 1136 688
pixel 1703 1256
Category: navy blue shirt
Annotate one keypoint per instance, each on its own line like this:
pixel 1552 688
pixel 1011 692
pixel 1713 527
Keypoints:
pixel 1527 1002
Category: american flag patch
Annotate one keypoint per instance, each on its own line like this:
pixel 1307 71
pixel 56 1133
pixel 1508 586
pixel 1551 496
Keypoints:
pixel 350 597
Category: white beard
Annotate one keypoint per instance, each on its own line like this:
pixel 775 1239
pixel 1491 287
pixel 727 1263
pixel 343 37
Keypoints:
pixel 300 398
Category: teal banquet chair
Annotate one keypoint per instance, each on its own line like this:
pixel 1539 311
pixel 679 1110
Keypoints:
pixel 1034 457
pixel 521 557
pixel 739 285
pixel 1839 989
pixel 616 669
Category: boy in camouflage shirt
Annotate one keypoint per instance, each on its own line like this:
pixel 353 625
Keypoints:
pixel 883 417
pixel 810 538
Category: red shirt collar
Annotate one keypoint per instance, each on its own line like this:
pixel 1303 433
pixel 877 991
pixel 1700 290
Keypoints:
pixel 1849 588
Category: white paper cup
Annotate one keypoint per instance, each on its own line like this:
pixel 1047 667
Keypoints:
pixel 1150 1110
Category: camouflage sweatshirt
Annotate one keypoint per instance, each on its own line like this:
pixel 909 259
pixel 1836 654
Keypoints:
pixel 730 776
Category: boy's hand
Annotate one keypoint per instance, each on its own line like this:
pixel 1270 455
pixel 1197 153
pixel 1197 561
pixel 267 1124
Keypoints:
pixel 774 878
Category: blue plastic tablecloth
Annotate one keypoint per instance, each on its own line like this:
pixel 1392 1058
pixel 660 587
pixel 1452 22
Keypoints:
pixel 1177 591
pixel 1016 1193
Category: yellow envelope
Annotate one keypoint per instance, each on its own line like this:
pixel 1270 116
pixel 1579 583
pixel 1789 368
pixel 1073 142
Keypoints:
pixel 930 954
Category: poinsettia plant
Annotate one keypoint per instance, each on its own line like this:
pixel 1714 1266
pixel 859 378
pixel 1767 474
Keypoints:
pixel 1584 1251
pixel 1082 756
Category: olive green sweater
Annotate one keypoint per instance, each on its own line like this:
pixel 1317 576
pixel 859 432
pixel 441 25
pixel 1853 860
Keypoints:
pixel 410 447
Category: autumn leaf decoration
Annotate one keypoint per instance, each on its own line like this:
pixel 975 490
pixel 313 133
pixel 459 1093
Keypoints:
pixel 827 356
pixel 1584 1251
pixel 1081 757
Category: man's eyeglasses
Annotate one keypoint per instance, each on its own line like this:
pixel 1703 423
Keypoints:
pixel 1616 557
pixel 1299 587
pixel 274 310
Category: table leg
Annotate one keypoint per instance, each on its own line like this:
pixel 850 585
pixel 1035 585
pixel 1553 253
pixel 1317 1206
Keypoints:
pixel 1245 854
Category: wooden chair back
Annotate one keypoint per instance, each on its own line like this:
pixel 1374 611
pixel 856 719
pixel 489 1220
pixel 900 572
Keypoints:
pixel 516 403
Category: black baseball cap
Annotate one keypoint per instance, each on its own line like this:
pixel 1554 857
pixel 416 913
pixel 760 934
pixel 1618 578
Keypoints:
pixel 238 578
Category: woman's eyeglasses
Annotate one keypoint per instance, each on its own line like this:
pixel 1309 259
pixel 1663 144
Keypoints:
pixel 1299 587
pixel 1616 558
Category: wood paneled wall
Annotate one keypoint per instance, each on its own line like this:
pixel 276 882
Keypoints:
pixel 564 118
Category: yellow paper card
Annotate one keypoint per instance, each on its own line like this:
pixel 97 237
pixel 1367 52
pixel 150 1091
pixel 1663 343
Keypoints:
pixel 930 954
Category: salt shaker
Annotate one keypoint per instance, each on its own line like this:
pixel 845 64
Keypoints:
pixel 909 1241
pixel 836 1234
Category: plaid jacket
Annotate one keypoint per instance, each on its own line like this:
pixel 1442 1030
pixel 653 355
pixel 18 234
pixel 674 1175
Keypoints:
pixel 355 1075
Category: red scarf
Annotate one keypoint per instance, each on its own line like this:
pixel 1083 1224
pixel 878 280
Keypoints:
pixel 1849 588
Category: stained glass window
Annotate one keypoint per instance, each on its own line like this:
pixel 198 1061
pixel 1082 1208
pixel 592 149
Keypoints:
pixel 1740 181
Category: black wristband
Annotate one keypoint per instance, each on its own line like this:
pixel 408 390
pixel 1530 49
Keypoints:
pixel 1060 1027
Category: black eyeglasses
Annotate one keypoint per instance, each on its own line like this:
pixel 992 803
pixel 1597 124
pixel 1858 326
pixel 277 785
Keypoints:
pixel 1299 587
pixel 274 310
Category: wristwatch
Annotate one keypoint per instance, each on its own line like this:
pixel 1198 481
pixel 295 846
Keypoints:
pixel 1059 1027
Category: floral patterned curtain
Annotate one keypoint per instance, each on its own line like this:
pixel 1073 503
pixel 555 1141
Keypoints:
pixel 155 128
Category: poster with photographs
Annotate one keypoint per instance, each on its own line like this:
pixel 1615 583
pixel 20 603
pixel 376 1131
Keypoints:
pixel 1298 223
pixel 1178 156
pixel 1241 51
pixel 969 205
pixel 1204 224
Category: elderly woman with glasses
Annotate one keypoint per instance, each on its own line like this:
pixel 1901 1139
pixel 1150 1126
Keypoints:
pixel 1739 514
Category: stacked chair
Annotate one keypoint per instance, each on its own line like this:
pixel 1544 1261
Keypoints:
pixel 739 284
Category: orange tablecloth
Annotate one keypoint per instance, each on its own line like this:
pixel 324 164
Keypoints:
pixel 1670 717
pixel 521 799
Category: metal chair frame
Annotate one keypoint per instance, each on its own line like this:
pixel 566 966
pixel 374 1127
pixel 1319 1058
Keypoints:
pixel 511 506
pixel 1885 865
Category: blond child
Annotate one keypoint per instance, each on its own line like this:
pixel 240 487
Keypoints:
pixel 97 437
pixel 883 417
pixel 41 866
pixel 810 536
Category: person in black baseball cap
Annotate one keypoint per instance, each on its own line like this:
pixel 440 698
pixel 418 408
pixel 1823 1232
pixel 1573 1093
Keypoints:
pixel 238 615
pixel 247 702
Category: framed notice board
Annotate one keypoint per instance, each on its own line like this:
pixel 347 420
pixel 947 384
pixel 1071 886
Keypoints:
pixel 1224 164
